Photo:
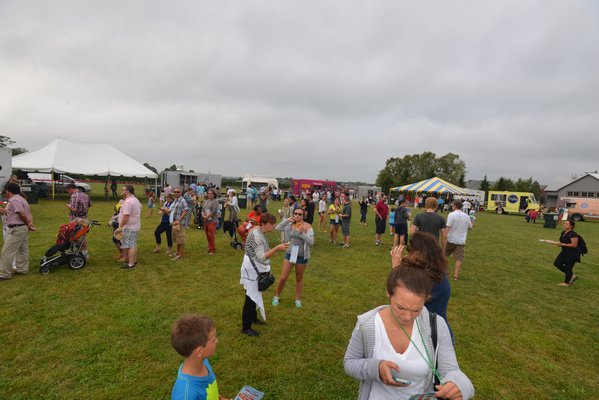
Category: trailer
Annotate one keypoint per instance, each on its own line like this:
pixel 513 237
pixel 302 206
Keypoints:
pixel 186 178
pixel 258 180
pixel 5 165
pixel 365 191
pixel 298 186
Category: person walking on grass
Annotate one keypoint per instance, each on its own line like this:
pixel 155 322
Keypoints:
pixel 569 254
pixel 129 225
pixel 322 212
pixel 458 224
pixel 431 222
pixel 301 240
pixel 345 219
pixel 363 210
pixel 151 204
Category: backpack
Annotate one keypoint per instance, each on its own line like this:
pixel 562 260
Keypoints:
pixel 582 246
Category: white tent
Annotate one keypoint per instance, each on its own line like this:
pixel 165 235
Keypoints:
pixel 62 156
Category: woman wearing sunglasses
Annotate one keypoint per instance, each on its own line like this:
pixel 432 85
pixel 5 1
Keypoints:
pixel 301 240
pixel 391 352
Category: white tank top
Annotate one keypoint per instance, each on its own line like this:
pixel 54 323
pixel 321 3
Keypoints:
pixel 411 364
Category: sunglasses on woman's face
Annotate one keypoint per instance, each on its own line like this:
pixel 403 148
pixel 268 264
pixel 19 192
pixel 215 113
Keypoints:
pixel 299 214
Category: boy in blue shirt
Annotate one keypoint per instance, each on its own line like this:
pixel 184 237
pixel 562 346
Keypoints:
pixel 194 337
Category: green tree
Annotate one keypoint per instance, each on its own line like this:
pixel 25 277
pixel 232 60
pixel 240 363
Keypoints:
pixel 171 168
pixel 503 184
pixel 5 141
pixel 417 167
pixel 148 166
pixel 485 186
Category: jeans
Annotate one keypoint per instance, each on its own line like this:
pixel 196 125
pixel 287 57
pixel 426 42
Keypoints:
pixel 164 227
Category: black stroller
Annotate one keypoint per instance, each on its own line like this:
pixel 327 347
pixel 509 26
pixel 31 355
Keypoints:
pixel 230 227
pixel 69 243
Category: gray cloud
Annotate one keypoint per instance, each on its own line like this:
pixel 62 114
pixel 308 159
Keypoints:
pixel 323 89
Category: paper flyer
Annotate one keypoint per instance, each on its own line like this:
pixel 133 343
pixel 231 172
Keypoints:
pixel 548 241
pixel 249 393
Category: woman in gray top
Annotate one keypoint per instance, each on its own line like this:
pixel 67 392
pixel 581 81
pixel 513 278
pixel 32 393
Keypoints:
pixel 210 215
pixel 391 351
pixel 301 240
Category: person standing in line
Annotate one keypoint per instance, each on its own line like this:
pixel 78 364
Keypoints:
pixel 129 225
pixel 301 240
pixel 285 213
pixel 363 210
pixel 165 226
pixel 322 211
pixel 402 216
pixel 381 211
pixel 458 224
pixel 568 256
pixel 78 206
pixel 429 221
pixel 334 222
pixel 18 221
pixel 257 257
pixel 210 215
pixel 178 220
pixel 345 220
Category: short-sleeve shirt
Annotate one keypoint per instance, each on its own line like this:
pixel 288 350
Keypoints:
pixel 190 387
pixel 132 208
pixel 334 212
pixel 458 223
pixel 346 211
pixel 80 202
pixel 430 222
pixel 401 215
pixel 382 209
pixel 177 209
pixel 16 204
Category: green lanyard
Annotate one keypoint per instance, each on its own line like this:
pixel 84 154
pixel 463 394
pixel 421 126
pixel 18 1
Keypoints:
pixel 428 358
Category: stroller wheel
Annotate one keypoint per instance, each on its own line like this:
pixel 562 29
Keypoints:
pixel 239 246
pixel 44 270
pixel 77 262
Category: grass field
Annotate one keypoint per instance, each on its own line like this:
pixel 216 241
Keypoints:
pixel 104 333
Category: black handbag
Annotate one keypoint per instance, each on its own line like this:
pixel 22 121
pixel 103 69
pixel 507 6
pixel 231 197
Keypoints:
pixel 265 279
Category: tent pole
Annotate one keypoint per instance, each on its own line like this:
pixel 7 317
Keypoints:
pixel 52 175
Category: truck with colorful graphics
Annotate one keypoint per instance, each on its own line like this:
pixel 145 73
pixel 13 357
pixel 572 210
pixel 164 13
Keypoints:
pixel 511 202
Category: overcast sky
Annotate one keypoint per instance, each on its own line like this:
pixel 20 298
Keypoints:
pixel 309 89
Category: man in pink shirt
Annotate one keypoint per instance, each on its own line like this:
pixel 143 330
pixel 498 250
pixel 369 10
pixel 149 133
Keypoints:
pixel 18 221
pixel 129 225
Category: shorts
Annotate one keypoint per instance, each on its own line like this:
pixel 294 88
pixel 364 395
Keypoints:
pixel 333 222
pixel 345 228
pixel 178 234
pixel 129 240
pixel 401 229
pixel 380 224
pixel 300 260
pixel 456 249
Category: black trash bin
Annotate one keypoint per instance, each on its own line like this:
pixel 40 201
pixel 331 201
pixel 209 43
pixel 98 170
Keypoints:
pixel 242 200
pixel 31 192
pixel 550 220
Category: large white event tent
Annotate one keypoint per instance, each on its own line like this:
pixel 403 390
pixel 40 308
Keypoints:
pixel 62 156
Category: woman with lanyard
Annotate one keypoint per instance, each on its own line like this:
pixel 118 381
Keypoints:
pixel 165 225
pixel 565 260
pixel 334 220
pixel 257 257
pixel 391 351
pixel 301 240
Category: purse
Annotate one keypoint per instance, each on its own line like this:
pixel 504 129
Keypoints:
pixel 265 279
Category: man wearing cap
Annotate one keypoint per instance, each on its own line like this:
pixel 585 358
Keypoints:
pixel 18 220
pixel 129 225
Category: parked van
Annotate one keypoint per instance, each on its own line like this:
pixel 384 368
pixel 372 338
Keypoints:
pixel 511 202
pixel 581 208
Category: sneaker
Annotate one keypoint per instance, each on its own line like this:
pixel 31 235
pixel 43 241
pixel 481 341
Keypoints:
pixel 127 266
pixel 573 279
pixel 275 301
pixel 377 242
pixel 176 258
pixel 346 246
pixel 250 332
pixel 298 304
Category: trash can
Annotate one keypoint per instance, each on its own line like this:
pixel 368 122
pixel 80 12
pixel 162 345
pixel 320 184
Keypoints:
pixel 242 200
pixel 550 220
pixel 32 193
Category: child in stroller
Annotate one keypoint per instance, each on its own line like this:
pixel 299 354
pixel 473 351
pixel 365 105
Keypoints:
pixel 67 249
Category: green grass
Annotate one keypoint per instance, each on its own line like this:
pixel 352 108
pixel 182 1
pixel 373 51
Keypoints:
pixel 103 333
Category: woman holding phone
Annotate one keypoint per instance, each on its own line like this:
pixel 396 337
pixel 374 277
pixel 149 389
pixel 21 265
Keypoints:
pixel 334 220
pixel 391 352
pixel 301 240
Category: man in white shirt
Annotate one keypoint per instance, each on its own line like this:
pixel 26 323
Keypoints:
pixel 458 224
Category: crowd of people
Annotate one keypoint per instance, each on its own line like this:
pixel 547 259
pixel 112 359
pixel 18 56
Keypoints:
pixel 397 350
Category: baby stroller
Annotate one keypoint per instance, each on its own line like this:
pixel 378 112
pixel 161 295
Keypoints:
pixel 230 227
pixel 67 249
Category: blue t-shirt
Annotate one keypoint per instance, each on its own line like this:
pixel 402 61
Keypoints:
pixel 189 387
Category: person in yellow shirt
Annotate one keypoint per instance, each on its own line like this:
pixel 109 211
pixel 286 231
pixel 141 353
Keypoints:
pixel 334 220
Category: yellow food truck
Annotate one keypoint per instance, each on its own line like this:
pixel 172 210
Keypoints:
pixel 511 202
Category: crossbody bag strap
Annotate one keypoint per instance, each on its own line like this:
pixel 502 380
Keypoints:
pixel 433 323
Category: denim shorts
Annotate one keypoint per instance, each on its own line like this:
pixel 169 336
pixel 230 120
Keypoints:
pixel 300 260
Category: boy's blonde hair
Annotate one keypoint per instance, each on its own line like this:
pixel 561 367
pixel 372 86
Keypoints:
pixel 189 332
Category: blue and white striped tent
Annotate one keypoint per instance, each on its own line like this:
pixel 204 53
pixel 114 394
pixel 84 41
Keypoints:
pixel 432 185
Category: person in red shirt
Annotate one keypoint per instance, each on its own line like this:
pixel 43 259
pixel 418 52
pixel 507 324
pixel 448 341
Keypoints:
pixel 381 211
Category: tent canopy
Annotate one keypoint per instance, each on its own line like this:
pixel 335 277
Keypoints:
pixel 81 158
pixel 433 185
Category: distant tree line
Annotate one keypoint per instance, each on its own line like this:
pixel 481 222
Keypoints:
pixel 506 184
